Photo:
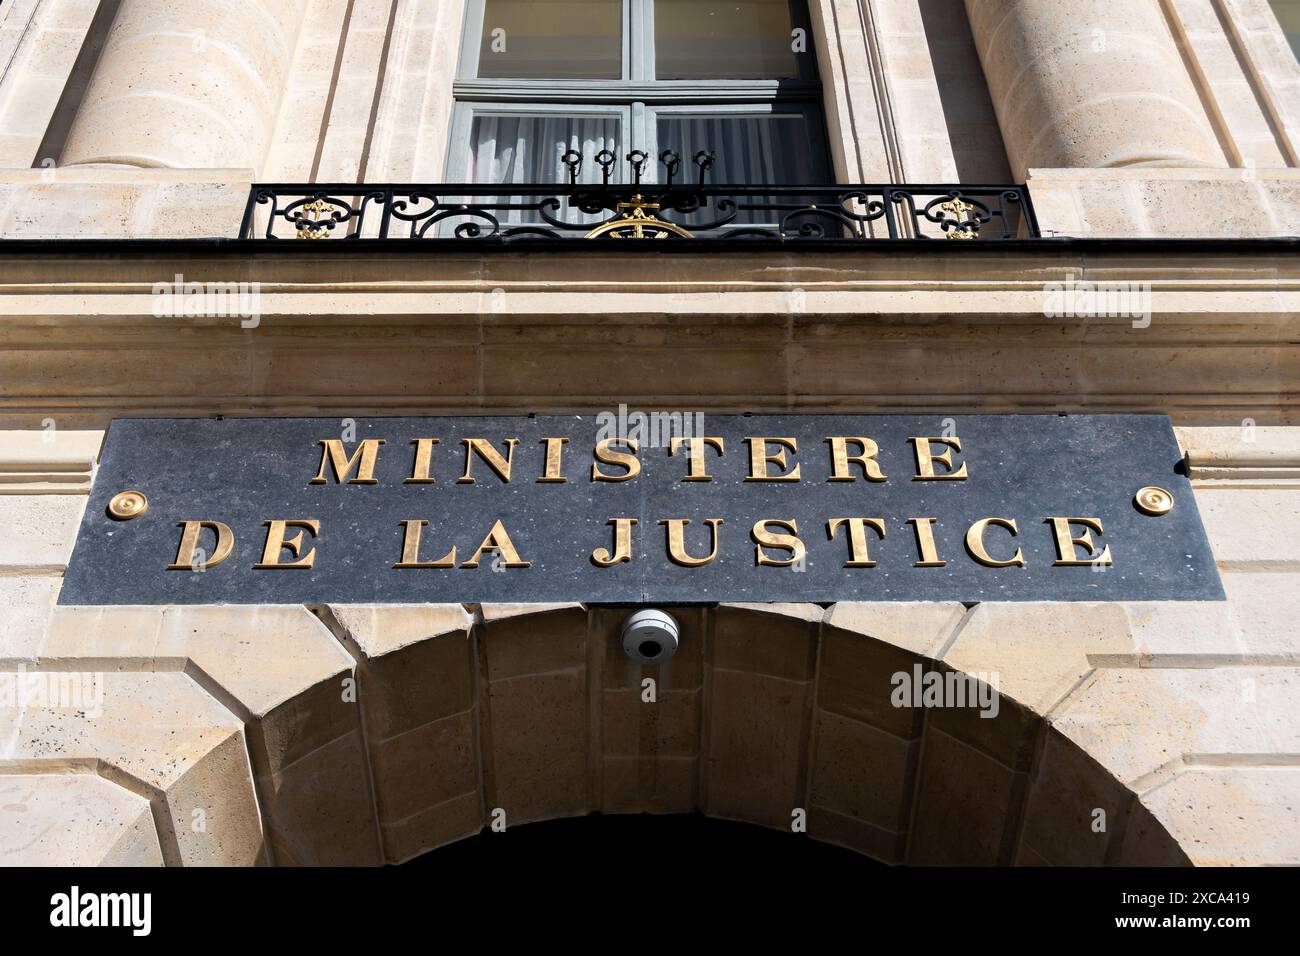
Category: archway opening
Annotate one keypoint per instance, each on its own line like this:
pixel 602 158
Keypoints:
pixel 670 846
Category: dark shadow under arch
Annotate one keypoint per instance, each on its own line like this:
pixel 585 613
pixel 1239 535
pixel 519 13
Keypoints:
pixel 668 847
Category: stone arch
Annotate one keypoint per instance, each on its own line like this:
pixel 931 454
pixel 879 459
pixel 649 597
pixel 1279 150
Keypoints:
pixel 534 713
pixel 359 735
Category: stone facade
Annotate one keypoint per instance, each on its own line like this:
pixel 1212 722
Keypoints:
pixel 1162 733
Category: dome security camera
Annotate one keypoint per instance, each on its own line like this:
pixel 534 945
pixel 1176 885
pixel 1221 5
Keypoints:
pixel 650 637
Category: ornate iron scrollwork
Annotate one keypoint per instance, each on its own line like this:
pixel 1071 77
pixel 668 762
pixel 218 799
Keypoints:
pixel 668 209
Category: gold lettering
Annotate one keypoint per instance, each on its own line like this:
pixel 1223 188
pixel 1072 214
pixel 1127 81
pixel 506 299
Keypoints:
pixel 335 455
pixel 554 462
pixel 188 551
pixel 677 542
pixel 276 543
pixel 423 461
pixel 858 538
pixel 606 455
pixel 975 543
pixel 699 467
pixel 760 457
pixel 498 540
pixel 925 543
pixel 840 459
pixel 1066 543
pixel 925 459
pixel 411 550
pixel 782 542
pixel 622 544
pixel 483 448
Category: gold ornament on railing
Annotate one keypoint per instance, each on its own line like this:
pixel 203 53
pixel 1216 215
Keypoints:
pixel 636 223
pixel 312 228
pixel 966 226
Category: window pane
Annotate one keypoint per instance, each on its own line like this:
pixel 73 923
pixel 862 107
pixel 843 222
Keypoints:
pixel 748 150
pixel 1288 14
pixel 739 39
pixel 552 39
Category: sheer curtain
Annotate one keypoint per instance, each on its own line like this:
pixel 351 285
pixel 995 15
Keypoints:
pixel 748 151
pixel 530 149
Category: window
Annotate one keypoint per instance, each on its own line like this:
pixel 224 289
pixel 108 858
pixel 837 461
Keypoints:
pixel 539 78
pixel 1288 14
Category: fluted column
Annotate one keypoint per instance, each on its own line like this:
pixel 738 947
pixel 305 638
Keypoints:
pixel 193 84
pixel 1090 84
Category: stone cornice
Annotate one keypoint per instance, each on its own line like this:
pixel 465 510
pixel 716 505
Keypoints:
pixel 393 327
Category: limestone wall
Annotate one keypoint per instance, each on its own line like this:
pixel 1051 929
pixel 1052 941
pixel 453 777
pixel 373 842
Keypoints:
pixel 943 332
pixel 192 735
pixel 254 735
pixel 361 91
pixel 358 735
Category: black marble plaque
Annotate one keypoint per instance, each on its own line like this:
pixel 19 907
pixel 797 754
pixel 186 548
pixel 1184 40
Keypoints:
pixel 1028 468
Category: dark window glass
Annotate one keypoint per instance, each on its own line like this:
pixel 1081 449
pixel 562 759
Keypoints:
pixel 1288 14
pixel 552 39
pixel 708 40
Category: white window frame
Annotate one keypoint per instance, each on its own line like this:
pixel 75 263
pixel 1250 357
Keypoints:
pixel 636 91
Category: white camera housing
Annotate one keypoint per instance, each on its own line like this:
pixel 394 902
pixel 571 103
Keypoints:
pixel 650 637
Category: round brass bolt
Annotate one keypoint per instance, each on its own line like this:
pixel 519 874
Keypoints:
pixel 127 505
pixel 1154 501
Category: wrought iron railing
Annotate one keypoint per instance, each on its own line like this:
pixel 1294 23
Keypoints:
pixel 638 210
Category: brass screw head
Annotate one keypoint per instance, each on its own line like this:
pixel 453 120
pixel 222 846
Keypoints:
pixel 127 505
pixel 1154 501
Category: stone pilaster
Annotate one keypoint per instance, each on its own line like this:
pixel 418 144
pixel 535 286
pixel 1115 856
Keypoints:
pixel 187 85
pixel 1090 84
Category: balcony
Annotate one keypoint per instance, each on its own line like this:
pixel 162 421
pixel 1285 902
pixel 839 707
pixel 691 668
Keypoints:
pixel 639 210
